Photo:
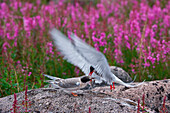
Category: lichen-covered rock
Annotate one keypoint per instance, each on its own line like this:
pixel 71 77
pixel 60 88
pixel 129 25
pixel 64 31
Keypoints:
pixel 55 100
pixel 99 99
pixel 121 74
pixel 154 93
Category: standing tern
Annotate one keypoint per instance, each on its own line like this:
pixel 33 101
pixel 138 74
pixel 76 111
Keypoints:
pixel 87 58
pixel 70 85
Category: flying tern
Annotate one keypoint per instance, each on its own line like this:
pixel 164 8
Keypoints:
pixel 87 58
pixel 70 85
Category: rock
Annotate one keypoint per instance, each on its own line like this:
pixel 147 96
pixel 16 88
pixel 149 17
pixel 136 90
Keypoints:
pixel 55 100
pixel 99 99
pixel 121 74
pixel 154 91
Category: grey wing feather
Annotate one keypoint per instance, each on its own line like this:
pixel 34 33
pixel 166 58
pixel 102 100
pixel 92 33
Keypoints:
pixel 96 58
pixel 51 77
pixel 69 51
pixel 69 83
pixel 63 83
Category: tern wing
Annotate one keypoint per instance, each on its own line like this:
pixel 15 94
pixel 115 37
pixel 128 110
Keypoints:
pixel 69 51
pixel 96 58
pixel 70 83
pixel 52 78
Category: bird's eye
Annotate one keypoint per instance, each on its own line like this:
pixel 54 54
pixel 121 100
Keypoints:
pixel 78 83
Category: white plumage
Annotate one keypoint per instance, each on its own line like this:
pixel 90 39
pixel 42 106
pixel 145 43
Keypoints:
pixel 69 85
pixel 83 56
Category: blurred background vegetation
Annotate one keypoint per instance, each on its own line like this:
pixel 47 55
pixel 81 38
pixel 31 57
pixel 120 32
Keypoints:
pixel 26 50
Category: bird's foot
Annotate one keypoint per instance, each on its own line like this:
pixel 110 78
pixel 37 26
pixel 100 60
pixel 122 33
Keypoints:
pixel 74 94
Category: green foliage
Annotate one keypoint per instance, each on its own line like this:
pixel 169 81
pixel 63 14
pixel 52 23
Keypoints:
pixel 30 54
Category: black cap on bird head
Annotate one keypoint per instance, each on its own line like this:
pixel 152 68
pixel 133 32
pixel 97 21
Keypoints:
pixel 85 79
pixel 91 69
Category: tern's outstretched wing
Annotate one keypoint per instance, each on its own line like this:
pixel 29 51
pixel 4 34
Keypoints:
pixel 98 61
pixel 64 83
pixel 96 58
pixel 83 55
pixel 69 51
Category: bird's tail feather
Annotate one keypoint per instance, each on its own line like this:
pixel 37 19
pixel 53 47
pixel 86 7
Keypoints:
pixel 134 79
pixel 117 80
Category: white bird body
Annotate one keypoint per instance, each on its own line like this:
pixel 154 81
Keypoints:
pixel 84 56
pixel 70 84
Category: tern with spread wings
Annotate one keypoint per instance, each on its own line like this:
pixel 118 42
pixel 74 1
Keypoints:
pixel 87 58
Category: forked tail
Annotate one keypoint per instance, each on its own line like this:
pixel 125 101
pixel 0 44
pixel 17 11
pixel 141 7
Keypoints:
pixel 117 80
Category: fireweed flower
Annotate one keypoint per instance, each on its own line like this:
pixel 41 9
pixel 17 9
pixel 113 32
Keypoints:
pixel 105 49
pixel 49 48
pixel 5 46
pixel 15 5
pixel 29 73
pixel 4 9
pixel 127 42
pixel 28 23
pixel 133 70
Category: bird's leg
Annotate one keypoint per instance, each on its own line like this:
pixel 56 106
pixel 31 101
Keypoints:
pixel 112 87
pixel 91 82
pixel 74 94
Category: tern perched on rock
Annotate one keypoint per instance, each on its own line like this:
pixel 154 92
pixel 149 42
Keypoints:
pixel 87 58
pixel 70 85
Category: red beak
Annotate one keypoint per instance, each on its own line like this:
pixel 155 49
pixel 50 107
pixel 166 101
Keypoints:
pixel 91 73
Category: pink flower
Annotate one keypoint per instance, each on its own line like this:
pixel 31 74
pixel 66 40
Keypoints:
pixel 133 70
pixel 27 23
pixel 49 48
pixel 127 45
pixel 4 10
pixel 5 46
pixel 146 64
pixel 110 35
pixel 29 73
pixel 18 62
pixel 105 49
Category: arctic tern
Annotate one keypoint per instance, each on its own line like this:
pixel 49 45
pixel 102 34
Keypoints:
pixel 88 59
pixel 70 85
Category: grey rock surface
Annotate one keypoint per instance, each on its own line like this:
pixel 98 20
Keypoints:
pixel 99 99
pixel 121 74
pixel 154 91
